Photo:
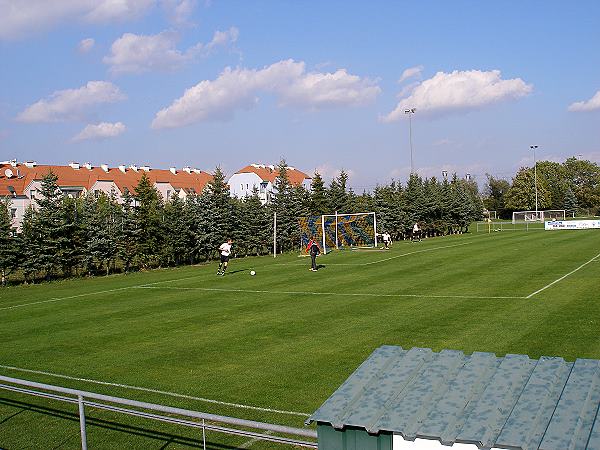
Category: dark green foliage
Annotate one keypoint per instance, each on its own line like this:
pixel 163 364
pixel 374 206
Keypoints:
pixel 62 236
pixel 318 196
pixel 149 217
pixel 8 242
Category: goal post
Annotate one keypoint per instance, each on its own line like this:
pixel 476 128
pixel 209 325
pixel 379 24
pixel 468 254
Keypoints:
pixel 538 216
pixel 339 231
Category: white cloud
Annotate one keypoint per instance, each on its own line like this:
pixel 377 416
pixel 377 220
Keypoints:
pixel 21 18
pixel 133 53
pixel 100 131
pixel 86 45
pixel 238 89
pixel 71 104
pixel 179 11
pixel 459 91
pixel 411 73
pixel 592 104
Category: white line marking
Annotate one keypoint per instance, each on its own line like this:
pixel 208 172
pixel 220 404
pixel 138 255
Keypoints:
pixel 156 391
pixel 65 298
pixel 57 299
pixel 563 277
pixel 384 259
pixel 341 294
pixel 416 251
pixel 252 441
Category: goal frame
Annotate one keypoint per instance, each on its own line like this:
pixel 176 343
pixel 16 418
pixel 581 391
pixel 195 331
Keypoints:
pixel 326 231
pixel 537 216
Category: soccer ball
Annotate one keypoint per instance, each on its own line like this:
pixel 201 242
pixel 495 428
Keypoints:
pixel 252 272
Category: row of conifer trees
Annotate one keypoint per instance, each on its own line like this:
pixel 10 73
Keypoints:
pixel 65 236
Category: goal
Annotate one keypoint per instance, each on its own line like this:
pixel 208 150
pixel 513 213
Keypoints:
pixel 339 231
pixel 490 214
pixel 538 216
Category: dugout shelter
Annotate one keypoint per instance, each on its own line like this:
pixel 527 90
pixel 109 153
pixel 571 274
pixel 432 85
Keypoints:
pixel 418 399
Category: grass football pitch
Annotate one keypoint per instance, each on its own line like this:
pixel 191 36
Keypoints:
pixel 274 346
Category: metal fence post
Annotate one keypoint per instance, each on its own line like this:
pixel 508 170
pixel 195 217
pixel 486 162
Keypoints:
pixel 203 436
pixel 82 423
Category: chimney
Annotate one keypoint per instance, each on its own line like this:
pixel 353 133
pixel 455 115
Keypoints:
pixel 122 168
pixel 187 169
pixel 13 162
pixel 197 170
pixel 104 167
pixel 173 170
pixel 30 164
pixel 133 167
pixel 88 166
pixel 145 168
pixel 74 165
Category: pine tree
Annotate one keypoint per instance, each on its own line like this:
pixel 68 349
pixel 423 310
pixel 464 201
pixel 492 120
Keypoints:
pixel 218 204
pixel 570 201
pixel 318 196
pixel 338 194
pixel 149 216
pixel 29 249
pixel 53 228
pixel 283 206
pixel 177 233
pixel 8 243
pixel 127 233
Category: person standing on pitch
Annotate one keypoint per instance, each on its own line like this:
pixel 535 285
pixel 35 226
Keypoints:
pixel 313 251
pixel 225 251
pixel 387 240
pixel 416 234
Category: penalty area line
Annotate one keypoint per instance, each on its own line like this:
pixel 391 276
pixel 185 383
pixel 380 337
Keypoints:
pixel 339 294
pixel 156 391
pixel 564 276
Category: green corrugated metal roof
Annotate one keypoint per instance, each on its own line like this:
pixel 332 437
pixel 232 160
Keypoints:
pixel 511 402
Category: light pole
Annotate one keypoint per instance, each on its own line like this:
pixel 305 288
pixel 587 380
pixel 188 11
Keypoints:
pixel 534 147
pixel 410 112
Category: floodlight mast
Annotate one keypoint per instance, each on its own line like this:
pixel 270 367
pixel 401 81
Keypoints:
pixel 410 112
pixel 534 147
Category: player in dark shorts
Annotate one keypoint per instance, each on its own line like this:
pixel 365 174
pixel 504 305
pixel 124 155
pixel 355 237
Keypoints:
pixel 313 251
pixel 225 251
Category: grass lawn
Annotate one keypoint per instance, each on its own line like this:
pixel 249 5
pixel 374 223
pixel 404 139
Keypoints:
pixel 286 338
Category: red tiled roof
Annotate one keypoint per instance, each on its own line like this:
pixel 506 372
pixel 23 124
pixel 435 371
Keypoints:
pixel 266 173
pixel 67 176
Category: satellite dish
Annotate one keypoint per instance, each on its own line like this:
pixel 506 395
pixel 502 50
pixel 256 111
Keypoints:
pixel 8 173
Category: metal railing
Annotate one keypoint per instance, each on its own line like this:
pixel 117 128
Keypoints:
pixel 177 416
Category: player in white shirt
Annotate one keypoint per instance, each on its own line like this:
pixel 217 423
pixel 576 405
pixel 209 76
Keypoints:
pixel 387 240
pixel 225 251
pixel 416 233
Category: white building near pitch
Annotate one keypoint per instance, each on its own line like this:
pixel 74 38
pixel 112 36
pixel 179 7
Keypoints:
pixel 262 177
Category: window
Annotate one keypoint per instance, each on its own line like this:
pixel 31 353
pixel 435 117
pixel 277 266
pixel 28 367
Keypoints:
pixel 32 194
pixel 246 186
pixel 13 213
pixel 168 194
pixel 242 186
pixel 97 193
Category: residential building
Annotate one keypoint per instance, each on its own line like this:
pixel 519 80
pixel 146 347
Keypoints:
pixel 262 177
pixel 21 182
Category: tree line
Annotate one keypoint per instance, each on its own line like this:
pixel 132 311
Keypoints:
pixel 92 235
pixel 573 185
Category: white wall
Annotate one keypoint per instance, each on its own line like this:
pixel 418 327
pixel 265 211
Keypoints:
pixel 242 184
pixel 107 187
pixel 398 443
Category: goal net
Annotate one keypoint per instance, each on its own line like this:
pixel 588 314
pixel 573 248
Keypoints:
pixel 338 231
pixel 489 214
pixel 538 216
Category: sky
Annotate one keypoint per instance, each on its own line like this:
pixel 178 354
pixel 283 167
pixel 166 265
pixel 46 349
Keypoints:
pixel 325 85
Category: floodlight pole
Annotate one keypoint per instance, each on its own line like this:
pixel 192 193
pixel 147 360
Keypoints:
pixel 533 147
pixel 410 112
